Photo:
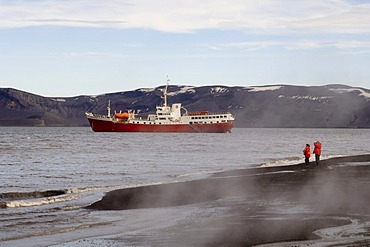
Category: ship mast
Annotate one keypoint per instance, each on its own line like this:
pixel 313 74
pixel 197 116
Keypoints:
pixel 108 108
pixel 165 93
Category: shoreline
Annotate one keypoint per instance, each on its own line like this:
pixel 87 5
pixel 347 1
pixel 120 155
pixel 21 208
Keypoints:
pixel 265 205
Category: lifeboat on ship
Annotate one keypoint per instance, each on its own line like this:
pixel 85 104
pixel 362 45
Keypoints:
pixel 123 115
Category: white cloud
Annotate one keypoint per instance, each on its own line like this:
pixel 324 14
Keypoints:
pixel 293 44
pixel 338 16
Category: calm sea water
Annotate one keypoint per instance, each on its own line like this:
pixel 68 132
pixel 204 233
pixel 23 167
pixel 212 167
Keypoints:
pixel 84 165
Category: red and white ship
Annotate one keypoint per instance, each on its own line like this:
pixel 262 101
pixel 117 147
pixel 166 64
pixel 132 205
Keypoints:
pixel 166 119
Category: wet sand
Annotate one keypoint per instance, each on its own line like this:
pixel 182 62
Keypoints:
pixel 286 206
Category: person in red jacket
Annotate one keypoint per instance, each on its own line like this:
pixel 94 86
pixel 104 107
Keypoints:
pixel 307 154
pixel 317 152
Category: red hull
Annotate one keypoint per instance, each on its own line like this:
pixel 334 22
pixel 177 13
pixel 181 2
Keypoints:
pixel 110 126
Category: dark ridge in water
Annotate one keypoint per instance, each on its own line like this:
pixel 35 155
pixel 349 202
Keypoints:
pixel 9 196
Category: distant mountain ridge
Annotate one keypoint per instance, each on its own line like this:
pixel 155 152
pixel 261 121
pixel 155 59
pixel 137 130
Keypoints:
pixel 330 106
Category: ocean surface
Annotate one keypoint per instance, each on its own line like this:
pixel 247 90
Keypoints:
pixel 47 175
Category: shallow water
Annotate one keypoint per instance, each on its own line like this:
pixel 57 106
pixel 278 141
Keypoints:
pixel 80 166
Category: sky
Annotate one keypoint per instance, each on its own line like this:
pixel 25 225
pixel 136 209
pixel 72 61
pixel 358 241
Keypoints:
pixel 66 48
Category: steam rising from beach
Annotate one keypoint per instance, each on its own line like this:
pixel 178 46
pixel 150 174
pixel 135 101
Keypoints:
pixel 256 205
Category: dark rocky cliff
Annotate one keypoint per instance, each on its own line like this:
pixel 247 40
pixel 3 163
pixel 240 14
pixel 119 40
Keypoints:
pixel 265 106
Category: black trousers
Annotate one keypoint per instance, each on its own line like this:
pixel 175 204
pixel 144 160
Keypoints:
pixel 317 157
pixel 307 161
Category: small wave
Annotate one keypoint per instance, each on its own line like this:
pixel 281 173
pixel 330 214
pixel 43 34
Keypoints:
pixel 37 202
pixel 34 194
pixel 193 174
pixel 81 190
pixel 294 160
pixel 324 157
pixel 37 198
pixel 283 161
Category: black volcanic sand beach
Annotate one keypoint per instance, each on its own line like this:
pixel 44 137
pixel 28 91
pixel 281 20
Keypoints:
pixel 284 206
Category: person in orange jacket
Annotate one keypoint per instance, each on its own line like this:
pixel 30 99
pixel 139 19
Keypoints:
pixel 317 152
pixel 307 154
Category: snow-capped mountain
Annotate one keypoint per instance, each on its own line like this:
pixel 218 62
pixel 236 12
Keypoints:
pixel 329 106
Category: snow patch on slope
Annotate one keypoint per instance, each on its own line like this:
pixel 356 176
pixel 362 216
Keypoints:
pixel 307 97
pixel 59 100
pixel 347 90
pixel 146 90
pixel 266 88
pixel 185 89
pixel 218 90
